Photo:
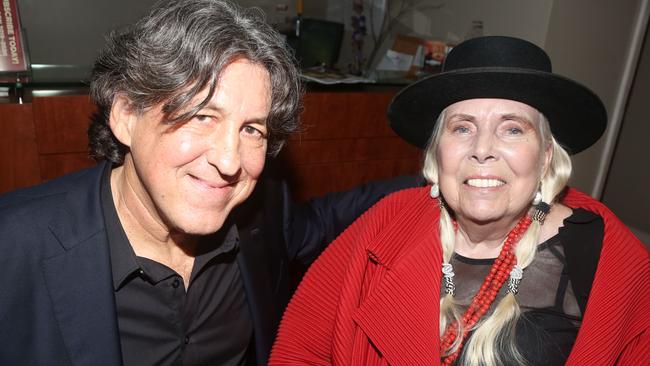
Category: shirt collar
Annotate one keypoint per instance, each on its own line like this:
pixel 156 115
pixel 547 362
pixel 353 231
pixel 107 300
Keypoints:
pixel 223 242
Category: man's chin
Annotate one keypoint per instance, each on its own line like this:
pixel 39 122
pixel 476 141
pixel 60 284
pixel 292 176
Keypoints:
pixel 200 225
pixel 201 221
pixel 203 230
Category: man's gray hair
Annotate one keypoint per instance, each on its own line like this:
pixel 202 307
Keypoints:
pixel 178 50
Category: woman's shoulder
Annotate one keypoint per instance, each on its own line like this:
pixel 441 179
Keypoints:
pixel 616 233
pixel 576 199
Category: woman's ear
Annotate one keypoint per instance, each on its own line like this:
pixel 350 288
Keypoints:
pixel 121 119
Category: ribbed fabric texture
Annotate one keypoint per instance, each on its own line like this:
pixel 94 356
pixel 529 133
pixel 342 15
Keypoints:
pixel 616 326
pixel 372 298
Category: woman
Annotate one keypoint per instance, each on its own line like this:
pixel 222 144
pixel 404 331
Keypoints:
pixel 497 262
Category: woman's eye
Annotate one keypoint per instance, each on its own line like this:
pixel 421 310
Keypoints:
pixel 461 129
pixel 515 131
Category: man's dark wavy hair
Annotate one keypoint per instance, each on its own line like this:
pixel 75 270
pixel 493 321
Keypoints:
pixel 178 50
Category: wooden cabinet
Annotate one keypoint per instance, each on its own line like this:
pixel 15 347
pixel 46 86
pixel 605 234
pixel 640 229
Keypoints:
pixel 18 153
pixel 344 140
pixel 61 133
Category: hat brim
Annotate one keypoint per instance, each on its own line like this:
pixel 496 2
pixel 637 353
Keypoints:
pixel 576 115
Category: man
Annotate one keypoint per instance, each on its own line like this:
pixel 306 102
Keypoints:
pixel 167 252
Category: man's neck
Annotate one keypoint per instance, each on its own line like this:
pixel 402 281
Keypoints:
pixel 147 233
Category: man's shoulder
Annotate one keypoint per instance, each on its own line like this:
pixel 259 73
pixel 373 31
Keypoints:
pixel 406 207
pixel 404 199
pixel 35 204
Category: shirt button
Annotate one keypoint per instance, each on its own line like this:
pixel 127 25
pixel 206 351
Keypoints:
pixel 187 340
pixel 176 283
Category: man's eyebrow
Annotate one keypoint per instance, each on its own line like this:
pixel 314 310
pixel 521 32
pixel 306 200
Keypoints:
pixel 261 120
pixel 212 106
pixel 215 108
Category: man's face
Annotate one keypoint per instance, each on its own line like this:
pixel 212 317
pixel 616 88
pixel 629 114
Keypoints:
pixel 188 177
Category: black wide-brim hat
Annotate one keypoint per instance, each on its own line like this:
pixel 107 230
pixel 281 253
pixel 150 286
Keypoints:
pixel 504 68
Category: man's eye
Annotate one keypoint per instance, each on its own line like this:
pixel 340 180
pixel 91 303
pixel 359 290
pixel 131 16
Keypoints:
pixel 461 129
pixel 202 117
pixel 515 131
pixel 250 130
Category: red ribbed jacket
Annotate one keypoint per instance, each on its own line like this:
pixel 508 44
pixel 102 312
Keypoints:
pixel 372 298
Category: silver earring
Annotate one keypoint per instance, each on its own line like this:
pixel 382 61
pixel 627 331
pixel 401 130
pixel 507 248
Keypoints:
pixel 540 212
pixel 516 274
pixel 435 190
pixel 538 198
pixel 448 278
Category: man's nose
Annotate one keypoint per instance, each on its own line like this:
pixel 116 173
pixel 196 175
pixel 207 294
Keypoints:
pixel 224 153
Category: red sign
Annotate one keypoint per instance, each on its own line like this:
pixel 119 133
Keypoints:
pixel 12 51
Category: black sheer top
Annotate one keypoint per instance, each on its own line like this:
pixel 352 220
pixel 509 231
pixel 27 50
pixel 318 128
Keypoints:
pixel 551 312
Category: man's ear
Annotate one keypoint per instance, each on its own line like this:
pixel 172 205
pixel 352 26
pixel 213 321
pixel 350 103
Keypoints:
pixel 121 119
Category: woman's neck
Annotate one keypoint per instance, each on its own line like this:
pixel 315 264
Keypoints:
pixel 482 240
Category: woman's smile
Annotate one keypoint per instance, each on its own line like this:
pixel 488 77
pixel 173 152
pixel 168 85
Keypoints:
pixel 484 182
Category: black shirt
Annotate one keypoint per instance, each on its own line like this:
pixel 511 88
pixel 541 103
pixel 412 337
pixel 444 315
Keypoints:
pixel 162 323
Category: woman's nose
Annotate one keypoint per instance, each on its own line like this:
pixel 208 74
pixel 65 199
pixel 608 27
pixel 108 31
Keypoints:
pixel 484 147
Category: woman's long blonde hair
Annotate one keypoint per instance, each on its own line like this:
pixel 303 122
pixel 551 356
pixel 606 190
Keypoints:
pixel 495 332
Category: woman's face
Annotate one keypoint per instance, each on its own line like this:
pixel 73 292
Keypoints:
pixel 490 159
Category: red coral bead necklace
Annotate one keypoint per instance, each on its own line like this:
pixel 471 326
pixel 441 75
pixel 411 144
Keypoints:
pixel 499 273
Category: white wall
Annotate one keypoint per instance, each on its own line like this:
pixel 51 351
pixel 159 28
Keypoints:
pixel 456 16
pixel 627 189
pixel 588 41
pixel 452 21
pixel 72 31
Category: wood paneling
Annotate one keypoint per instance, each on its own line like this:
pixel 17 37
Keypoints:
pixel 18 150
pixel 345 115
pixel 346 150
pixel 62 123
pixel 61 131
pixel 43 140
pixel 308 181
pixel 344 141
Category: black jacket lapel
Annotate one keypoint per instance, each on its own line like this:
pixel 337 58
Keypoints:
pixel 79 280
pixel 263 261
pixel 79 285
